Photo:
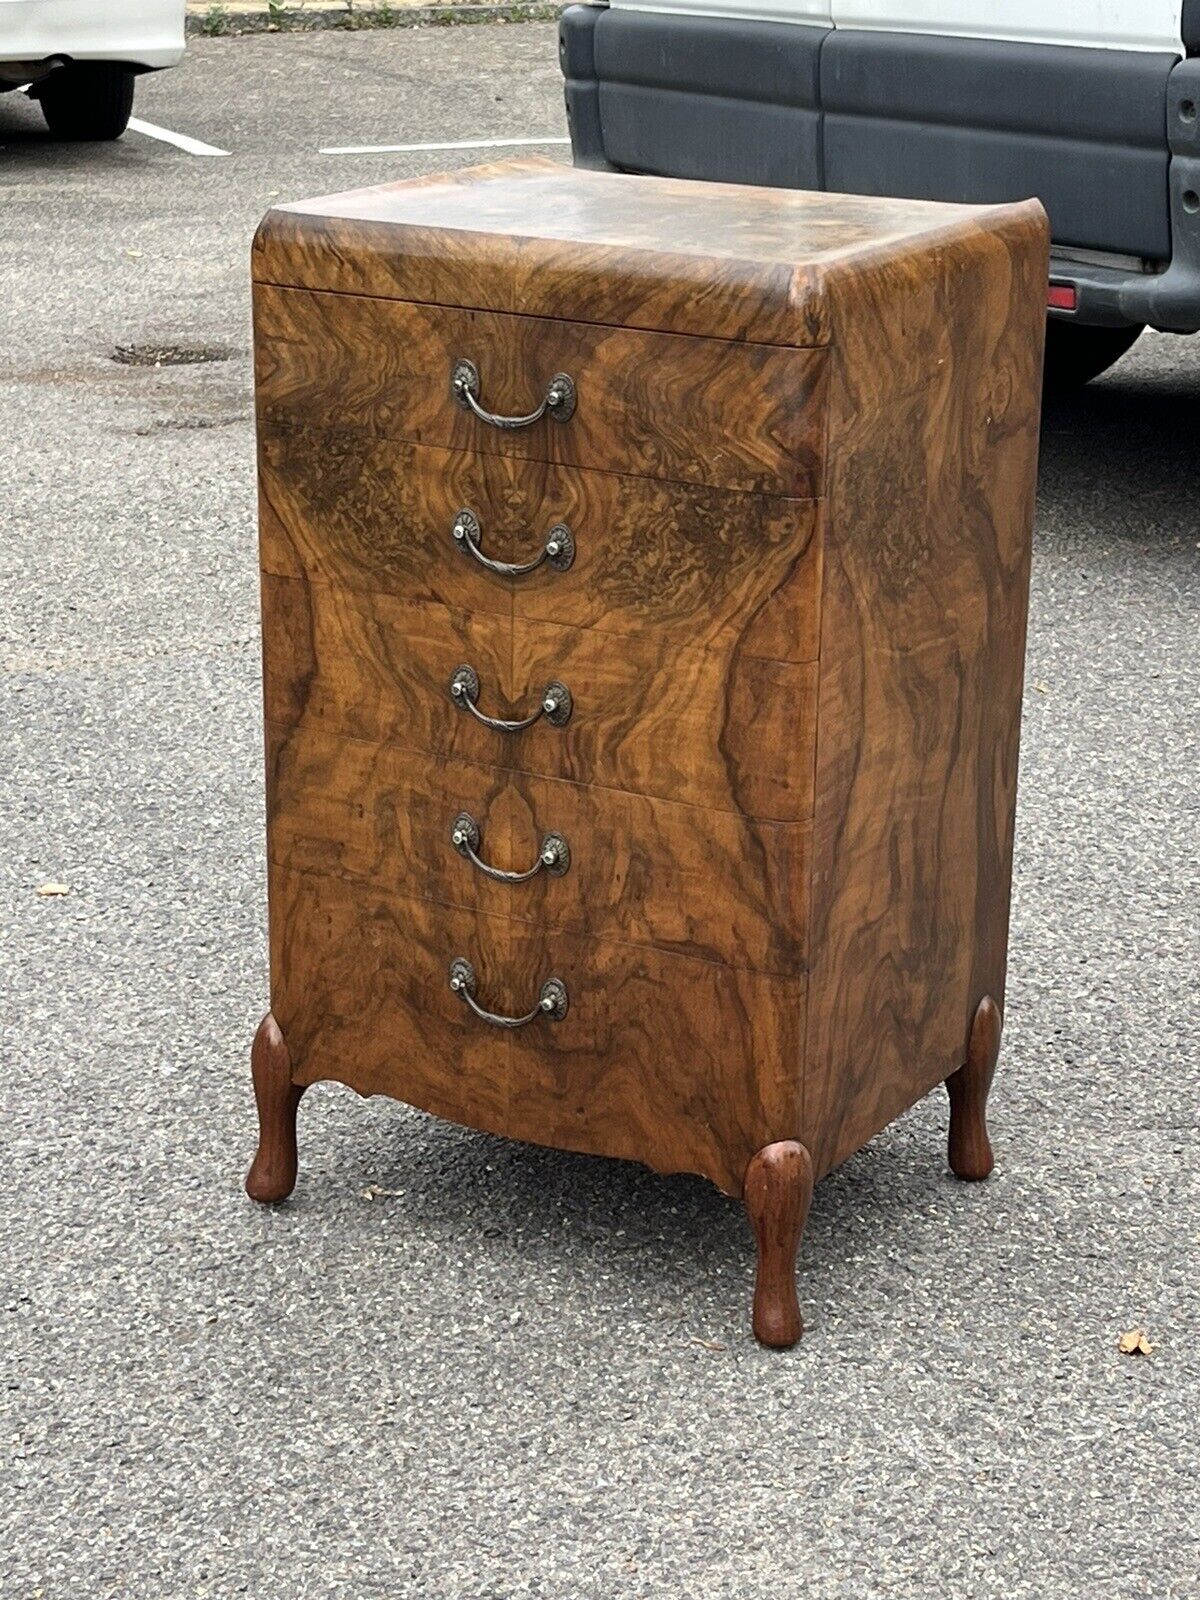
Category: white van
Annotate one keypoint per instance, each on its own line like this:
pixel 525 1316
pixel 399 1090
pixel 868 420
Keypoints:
pixel 1091 105
pixel 80 57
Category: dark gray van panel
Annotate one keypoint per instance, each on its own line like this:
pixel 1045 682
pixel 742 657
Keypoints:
pixel 699 97
pixel 977 120
pixel 576 32
pixel 1109 141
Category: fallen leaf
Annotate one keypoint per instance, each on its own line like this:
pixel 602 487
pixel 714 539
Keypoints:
pixel 709 1344
pixel 1041 688
pixel 47 889
pixel 1134 1343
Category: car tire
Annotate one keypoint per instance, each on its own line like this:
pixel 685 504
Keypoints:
pixel 1077 353
pixel 87 100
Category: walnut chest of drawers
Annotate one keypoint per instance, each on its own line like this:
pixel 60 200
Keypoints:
pixel 644 572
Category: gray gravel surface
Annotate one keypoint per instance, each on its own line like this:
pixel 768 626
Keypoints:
pixel 514 1372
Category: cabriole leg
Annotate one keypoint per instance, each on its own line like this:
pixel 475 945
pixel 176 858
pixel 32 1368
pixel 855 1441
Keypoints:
pixel 970 1149
pixel 272 1175
pixel 778 1189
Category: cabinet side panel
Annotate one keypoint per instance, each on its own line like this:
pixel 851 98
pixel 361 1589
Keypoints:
pixel 933 448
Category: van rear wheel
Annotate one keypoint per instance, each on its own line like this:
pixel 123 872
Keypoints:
pixel 87 100
pixel 1077 353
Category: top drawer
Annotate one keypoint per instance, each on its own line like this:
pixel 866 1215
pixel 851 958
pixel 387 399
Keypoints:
pixel 654 405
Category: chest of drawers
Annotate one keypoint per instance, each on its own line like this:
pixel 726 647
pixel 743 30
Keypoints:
pixel 644 572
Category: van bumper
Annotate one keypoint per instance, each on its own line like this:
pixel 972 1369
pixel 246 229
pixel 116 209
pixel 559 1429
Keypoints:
pixel 147 34
pixel 1109 297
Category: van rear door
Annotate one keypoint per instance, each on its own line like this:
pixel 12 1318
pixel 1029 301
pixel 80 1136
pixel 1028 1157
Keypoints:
pixel 968 100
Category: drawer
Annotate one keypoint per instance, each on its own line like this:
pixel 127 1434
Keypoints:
pixel 706 884
pixel 684 1065
pixel 654 405
pixel 704 727
pixel 697 566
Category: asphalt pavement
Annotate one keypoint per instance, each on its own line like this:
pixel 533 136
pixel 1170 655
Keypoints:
pixel 453 1367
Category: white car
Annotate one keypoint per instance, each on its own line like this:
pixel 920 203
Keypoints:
pixel 1091 105
pixel 79 57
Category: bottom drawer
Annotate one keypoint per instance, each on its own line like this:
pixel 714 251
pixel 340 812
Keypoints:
pixel 683 1064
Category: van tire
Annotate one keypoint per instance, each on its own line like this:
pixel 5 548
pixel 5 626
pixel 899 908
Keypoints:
pixel 87 100
pixel 1077 353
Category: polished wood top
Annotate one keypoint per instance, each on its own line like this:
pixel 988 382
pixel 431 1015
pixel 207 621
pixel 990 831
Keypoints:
pixel 535 237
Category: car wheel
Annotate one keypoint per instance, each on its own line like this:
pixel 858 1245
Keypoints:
pixel 87 100
pixel 1077 353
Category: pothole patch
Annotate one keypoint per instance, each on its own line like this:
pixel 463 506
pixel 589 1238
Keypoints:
pixel 168 355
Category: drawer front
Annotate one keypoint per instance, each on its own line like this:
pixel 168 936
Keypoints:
pixel 697 566
pixel 705 884
pixel 684 1065
pixel 709 728
pixel 693 410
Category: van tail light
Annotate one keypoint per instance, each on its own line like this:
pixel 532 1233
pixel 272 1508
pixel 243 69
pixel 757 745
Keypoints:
pixel 1061 297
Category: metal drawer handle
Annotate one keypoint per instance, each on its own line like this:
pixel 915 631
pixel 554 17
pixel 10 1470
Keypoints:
pixel 556 703
pixel 554 854
pixel 559 549
pixel 558 401
pixel 552 1002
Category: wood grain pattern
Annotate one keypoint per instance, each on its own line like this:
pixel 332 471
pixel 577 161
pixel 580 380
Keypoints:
pixel 727 260
pixel 704 727
pixel 777 1194
pixel 934 426
pixel 709 885
pixel 700 727
pixel 696 566
pixel 379 669
pixel 651 405
pixel 680 1064
pixel 970 1149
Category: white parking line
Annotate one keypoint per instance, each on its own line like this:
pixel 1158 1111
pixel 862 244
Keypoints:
pixel 458 144
pixel 194 147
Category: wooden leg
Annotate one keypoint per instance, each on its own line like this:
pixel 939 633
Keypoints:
pixel 777 1192
pixel 272 1174
pixel 970 1149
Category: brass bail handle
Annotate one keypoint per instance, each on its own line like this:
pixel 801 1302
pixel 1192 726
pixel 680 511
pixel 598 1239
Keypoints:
pixel 555 705
pixel 552 1002
pixel 557 552
pixel 558 402
pixel 553 857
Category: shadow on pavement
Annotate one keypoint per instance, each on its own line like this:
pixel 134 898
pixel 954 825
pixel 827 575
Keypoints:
pixel 1130 438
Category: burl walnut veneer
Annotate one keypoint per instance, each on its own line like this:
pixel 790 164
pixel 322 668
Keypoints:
pixel 644 578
